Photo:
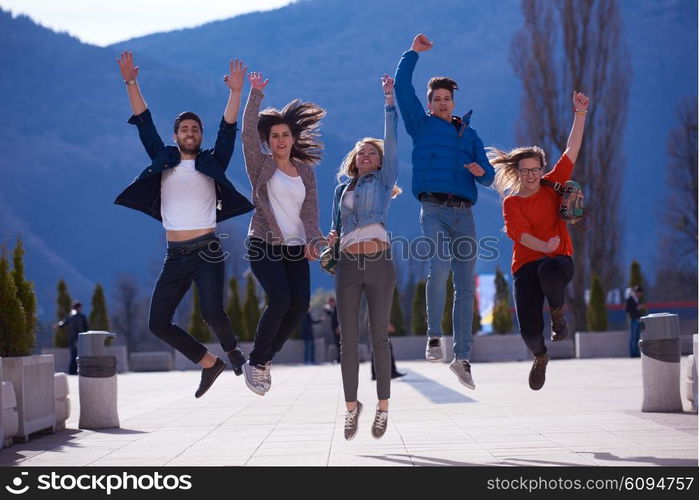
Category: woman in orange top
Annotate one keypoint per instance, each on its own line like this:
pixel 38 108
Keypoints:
pixel 542 263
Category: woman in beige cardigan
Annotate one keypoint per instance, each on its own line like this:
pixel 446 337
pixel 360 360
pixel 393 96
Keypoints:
pixel 280 148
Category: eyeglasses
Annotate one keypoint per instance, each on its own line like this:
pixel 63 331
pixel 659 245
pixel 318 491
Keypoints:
pixel 527 171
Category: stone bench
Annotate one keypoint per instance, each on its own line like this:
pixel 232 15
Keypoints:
pixel 151 361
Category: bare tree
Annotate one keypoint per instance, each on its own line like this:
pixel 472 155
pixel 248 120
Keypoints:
pixel 569 45
pixel 681 212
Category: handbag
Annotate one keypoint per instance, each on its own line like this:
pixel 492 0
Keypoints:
pixel 330 254
pixel 572 199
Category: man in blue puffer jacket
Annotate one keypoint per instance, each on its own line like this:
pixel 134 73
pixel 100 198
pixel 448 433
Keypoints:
pixel 448 158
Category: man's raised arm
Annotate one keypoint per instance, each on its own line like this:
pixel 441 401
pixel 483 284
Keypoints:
pixel 129 73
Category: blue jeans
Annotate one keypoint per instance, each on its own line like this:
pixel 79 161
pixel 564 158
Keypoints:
pixel 451 233
pixel 309 351
pixel 634 337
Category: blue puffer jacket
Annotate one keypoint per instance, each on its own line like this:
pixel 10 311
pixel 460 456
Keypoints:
pixel 440 150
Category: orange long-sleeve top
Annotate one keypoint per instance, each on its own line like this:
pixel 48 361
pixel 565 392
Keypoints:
pixel 538 216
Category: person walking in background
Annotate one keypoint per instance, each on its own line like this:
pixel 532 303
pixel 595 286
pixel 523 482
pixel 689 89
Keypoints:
pixel 394 371
pixel 362 198
pixel 186 189
pixel 448 160
pixel 542 263
pixel 284 234
pixel 330 309
pixel 307 336
pixel 77 324
pixel 633 306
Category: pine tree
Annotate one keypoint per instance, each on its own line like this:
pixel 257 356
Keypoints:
pixel 233 309
pixel 476 324
pixel 397 318
pixel 596 309
pixel 419 307
pixel 447 324
pixel 251 309
pixel 99 320
pixel 502 315
pixel 25 292
pixel 636 279
pixel 13 338
pixel 62 336
pixel 197 327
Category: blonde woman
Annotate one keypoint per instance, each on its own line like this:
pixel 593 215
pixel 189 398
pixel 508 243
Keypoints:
pixel 365 266
pixel 542 263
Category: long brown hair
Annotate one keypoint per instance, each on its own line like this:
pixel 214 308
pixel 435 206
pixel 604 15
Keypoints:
pixel 303 119
pixel 506 164
pixel 348 167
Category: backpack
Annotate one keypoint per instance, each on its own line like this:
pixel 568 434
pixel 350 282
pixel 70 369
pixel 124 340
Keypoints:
pixel 572 199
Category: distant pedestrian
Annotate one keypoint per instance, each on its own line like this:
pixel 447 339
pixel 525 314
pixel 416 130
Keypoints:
pixel 307 336
pixel 330 309
pixel 633 306
pixel 77 324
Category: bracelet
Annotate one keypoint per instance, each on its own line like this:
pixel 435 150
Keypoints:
pixel 388 94
pixel 130 82
pixel 580 112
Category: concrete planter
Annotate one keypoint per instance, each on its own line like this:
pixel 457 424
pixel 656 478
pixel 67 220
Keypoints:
pixel 508 347
pixel 563 349
pixel 61 357
pixel 611 344
pixel 33 381
pixel 409 347
pixel 10 422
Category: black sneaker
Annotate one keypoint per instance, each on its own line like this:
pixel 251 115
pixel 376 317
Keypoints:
pixel 237 359
pixel 537 375
pixel 208 376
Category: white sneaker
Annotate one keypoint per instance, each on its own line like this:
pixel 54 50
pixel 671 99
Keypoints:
pixel 433 350
pixel 267 380
pixel 254 378
pixel 462 369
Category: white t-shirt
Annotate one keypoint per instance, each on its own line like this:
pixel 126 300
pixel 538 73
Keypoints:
pixel 187 198
pixel 364 233
pixel 286 195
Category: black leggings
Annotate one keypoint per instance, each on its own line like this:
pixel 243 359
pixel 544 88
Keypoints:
pixel 284 274
pixel 534 281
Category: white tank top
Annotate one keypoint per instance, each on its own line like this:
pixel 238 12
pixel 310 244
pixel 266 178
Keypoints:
pixel 187 198
pixel 286 195
pixel 364 233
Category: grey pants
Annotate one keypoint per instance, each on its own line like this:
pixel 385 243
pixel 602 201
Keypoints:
pixel 373 275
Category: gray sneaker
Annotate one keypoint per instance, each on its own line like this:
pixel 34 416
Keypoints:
pixel 433 350
pixel 462 369
pixel 267 380
pixel 378 428
pixel 352 421
pixel 254 378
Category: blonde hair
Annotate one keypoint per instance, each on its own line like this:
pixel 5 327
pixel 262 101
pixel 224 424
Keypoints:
pixel 506 164
pixel 348 167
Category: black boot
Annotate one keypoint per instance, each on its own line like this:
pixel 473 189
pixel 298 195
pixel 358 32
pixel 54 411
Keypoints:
pixel 237 359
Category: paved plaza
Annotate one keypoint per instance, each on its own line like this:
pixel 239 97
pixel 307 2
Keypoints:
pixel 587 414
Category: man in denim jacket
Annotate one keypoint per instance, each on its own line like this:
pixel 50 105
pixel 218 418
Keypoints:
pixel 185 187
pixel 448 159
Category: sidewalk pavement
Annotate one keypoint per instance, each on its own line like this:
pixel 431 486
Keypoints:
pixel 587 414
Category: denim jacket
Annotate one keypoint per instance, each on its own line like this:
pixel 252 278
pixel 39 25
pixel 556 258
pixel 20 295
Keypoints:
pixel 143 193
pixel 373 190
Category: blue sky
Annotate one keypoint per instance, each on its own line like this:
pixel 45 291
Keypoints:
pixel 102 22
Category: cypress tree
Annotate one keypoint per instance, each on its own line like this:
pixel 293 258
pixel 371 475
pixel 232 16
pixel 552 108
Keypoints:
pixel 447 320
pixel 233 309
pixel 502 315
pixel 397 317
pixel 197 327
pixel 596 309
pixel 419 307
pixel 62 336
pixel 251 309
pixel 13 338
pixel 99 320
pixel 25 292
